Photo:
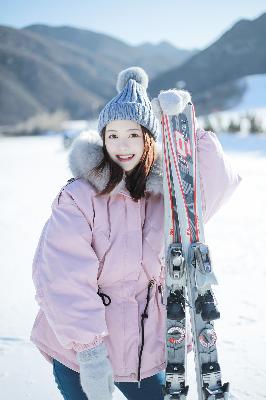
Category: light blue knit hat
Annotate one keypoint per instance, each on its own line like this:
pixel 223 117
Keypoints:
pixel 131 103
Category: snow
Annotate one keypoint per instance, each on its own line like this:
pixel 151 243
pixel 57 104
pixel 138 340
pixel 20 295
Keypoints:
pixel 33 169
pixel 251 105
pixel 254 96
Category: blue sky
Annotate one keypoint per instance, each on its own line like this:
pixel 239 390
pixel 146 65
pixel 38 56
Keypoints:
pixel 186 24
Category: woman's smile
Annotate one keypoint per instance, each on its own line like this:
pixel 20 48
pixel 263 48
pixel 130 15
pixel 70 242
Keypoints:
pixel 125 158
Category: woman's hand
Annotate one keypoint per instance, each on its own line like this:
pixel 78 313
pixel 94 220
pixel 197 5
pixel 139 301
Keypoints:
pixel 170 102
pixel 96 374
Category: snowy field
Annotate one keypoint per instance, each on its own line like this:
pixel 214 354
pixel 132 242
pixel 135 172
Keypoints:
pixel 254 96
pixel 32 170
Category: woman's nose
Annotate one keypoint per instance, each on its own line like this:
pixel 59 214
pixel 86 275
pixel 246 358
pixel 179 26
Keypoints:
pixel 123 145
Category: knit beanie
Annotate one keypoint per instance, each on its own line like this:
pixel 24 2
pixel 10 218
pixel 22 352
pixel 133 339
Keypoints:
pixel 131 103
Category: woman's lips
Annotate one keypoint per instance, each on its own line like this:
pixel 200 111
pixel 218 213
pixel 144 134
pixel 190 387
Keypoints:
pixel 125 158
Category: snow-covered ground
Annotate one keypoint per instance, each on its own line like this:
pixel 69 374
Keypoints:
pixel 254 96
pixel 32 170
pixel 252 105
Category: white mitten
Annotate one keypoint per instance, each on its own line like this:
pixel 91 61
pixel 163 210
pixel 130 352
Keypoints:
pixel 170 102
pixel 96 374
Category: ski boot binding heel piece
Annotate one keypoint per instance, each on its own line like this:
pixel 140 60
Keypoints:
pixel 175 388
pixel 212 385
pixel 176 306
pixel 205 305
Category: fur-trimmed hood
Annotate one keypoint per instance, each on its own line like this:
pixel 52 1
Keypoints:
pixel 86 153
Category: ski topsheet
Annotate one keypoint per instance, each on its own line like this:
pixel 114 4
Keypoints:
pixel 189 275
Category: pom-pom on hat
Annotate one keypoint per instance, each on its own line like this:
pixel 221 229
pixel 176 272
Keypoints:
pixel 131 103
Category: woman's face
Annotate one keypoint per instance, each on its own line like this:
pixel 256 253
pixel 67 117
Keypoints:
pixel 124 143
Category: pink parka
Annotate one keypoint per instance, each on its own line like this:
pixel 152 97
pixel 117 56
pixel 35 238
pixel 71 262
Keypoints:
pixel 113 246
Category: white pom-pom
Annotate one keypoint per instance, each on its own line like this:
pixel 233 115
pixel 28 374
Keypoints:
pixel 136 73
pixel 174 101
pixel 158 112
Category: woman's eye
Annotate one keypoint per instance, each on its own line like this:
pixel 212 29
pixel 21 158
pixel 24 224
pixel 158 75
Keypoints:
pixel 135 134
pixel 112 135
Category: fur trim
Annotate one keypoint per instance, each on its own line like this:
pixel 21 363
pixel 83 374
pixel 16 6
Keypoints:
pixel 136 73
pixel 86 153
pixel 173 101
pixel 154 183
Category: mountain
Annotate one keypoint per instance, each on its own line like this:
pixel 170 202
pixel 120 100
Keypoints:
pixel 145 55
pixel 44 68
pixel 165 53
pixel 212 74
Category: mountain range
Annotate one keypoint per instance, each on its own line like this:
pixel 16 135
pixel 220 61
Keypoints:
pixel 212 75
pixel 44 69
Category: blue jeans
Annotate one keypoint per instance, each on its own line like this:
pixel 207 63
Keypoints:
pixel 68 384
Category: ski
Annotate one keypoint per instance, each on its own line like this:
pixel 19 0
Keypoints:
pixel 189 274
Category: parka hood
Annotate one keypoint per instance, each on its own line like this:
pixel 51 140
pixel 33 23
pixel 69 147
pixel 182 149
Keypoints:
pixel 86 153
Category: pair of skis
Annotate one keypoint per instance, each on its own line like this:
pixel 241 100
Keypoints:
pixel 189 274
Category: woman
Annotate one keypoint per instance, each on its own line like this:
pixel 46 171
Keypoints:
pixel 102 250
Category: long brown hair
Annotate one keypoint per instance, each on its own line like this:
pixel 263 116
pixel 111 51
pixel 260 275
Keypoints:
pixel 136 180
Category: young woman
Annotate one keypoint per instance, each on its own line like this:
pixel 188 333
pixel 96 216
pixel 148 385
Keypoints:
pixel 100 259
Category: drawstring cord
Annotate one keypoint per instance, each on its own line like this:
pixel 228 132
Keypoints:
pixel 143 316
pixel 107 300
pixel 103 296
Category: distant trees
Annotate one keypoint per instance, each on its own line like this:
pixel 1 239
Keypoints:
pixel 38 124
pixel 233 122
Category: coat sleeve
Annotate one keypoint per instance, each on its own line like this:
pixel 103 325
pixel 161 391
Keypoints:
pixel 218 178
pixel 65 271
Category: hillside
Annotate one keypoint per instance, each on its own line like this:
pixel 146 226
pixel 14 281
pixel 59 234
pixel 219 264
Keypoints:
pixel 211 75
pixel 45 68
